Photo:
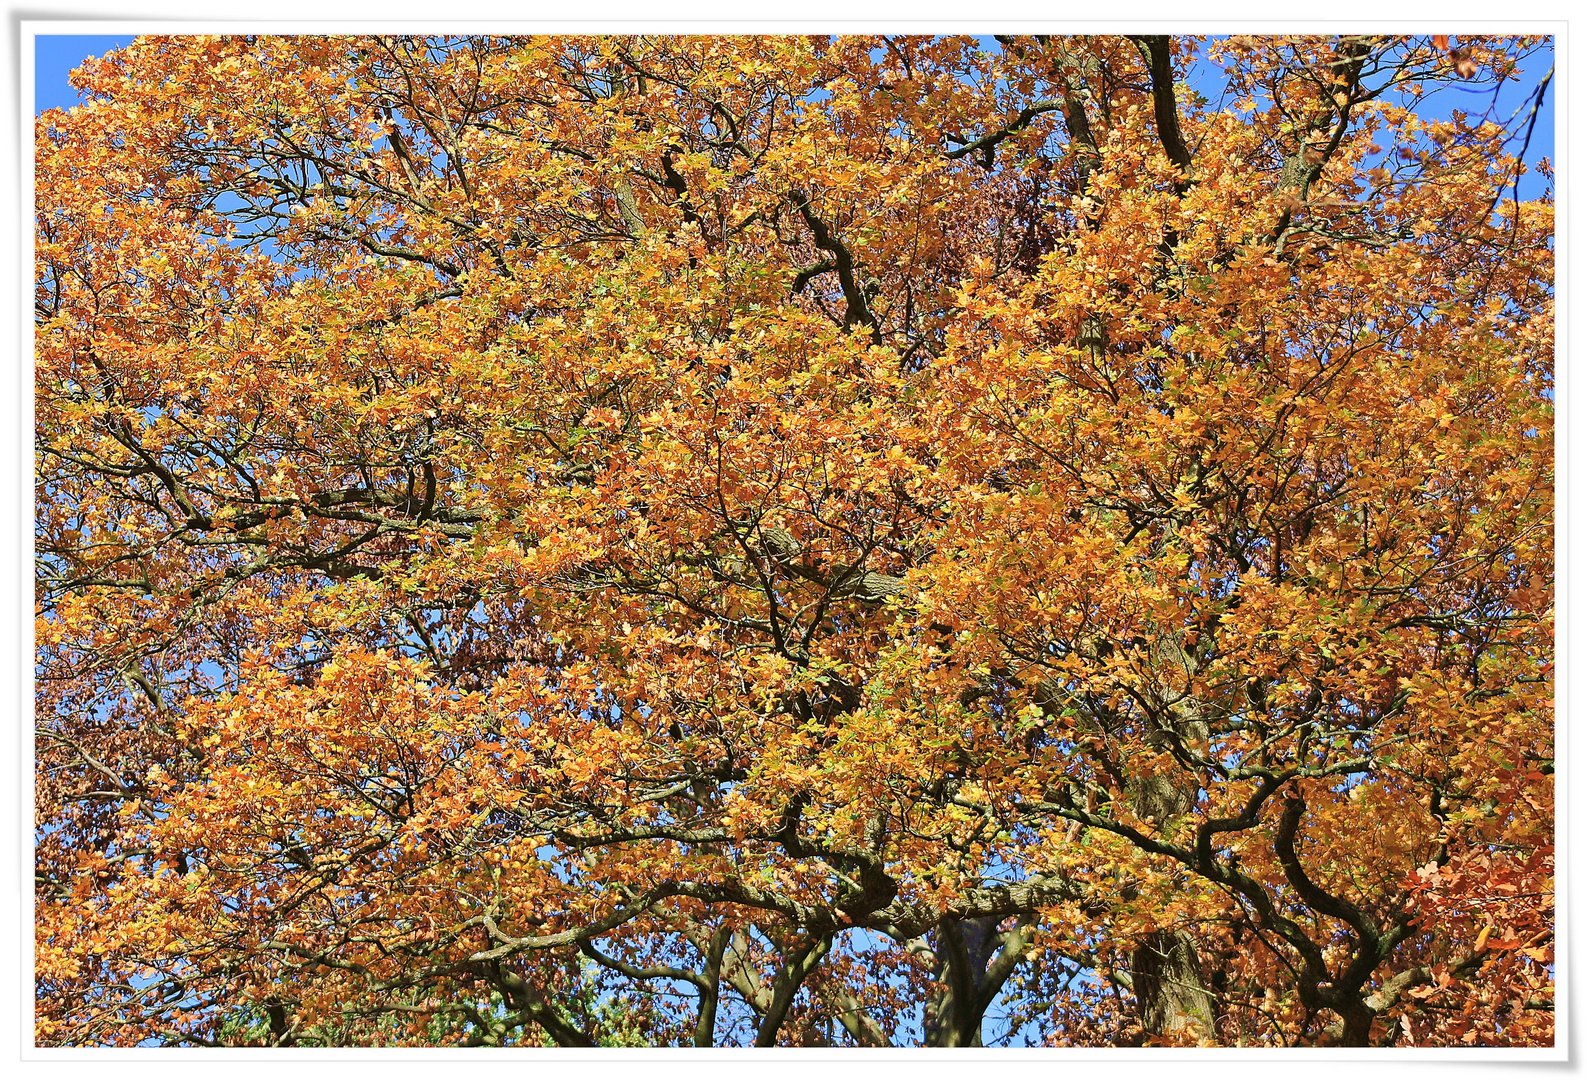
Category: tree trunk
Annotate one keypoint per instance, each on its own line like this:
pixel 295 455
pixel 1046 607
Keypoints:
pixel 973 959
pixel 1172 996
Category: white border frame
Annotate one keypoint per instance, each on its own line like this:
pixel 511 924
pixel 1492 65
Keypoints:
pixel 919 17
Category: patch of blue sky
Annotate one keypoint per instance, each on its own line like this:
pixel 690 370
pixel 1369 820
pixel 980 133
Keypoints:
pixel 54 58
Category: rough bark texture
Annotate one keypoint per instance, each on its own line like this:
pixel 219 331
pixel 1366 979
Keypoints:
pixel 1172 995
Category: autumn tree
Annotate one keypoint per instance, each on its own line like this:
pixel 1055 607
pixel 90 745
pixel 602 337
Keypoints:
pixel 813 541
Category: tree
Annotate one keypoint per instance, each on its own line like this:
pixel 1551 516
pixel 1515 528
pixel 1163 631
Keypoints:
pixel 821 541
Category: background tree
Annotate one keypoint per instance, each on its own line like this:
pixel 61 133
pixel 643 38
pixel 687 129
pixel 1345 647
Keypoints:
pixel 795 541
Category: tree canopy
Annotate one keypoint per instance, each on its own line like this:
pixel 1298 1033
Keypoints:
pixel 796 541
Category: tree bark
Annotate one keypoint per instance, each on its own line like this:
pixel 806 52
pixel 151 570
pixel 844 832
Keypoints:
pixel 1169 989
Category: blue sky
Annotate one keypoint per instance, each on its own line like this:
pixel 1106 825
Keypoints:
pixel 55 55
